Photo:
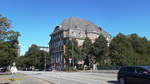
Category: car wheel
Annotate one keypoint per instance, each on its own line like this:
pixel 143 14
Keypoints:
pixel 122 81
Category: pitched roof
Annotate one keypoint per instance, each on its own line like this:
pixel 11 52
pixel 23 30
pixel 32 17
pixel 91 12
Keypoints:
pixel 77 23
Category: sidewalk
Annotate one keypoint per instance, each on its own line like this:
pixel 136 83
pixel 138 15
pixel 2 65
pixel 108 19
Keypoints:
pixel 20 79
pixel 101 71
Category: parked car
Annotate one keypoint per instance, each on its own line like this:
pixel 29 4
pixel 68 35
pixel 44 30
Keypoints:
pixel 49 69
pixel 3 69
pixel 134 75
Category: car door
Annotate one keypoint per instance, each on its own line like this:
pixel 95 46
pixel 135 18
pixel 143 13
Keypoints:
pixel 130 76
pixel 143 76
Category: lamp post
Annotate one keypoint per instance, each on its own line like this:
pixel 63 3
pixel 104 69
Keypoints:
pixel 45 63
pixel 72 54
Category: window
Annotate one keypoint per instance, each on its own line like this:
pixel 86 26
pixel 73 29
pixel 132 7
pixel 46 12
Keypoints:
pixel 76 26
pixel 123 69
pixel 140 70
pixel 131 69
pixel 147 68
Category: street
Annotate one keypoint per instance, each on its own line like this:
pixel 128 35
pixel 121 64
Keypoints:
pixel 20 79
pixel 75 77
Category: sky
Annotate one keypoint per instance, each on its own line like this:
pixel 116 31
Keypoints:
pixel 36 19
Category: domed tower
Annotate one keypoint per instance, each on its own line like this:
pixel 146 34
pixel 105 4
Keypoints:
pixel 72 28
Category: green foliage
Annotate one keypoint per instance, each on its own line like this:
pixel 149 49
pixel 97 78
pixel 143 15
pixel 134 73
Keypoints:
pixel 87 51
pixel 129 50
pixel 101 50
pixel 34 57
pixel 140 46
pixel 87 68
pixel 120 49
pixel 68 68
pixel 81 68
pixel 86 47
pixel 124 50
pixel 72 51
pixel 8 42
pixel 6 34
pixel 4 27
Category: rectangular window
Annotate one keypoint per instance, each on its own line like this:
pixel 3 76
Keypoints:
pixel 131 69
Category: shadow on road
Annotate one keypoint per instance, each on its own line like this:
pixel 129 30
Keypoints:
pixel 4 83
pixel 113 82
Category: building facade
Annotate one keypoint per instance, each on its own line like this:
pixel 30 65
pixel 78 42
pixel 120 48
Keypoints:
pixel 44 48
pixel 72 28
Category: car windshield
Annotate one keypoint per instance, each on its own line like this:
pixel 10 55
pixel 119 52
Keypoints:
pixel 147 68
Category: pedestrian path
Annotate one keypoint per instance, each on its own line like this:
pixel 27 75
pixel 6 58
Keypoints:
pixel 20 79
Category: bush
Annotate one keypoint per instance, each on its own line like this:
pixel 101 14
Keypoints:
pixel 81 68
pixel 108 67
pixel 68 68
pixel 87 68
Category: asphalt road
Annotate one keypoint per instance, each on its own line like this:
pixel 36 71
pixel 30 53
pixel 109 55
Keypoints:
pixel 75 77
pixel 5 78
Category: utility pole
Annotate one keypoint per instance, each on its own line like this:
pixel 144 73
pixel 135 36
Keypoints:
pixel 45 63
pixel 72 54
pixel 72 46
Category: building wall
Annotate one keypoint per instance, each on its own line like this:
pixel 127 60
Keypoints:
pixel 44 48
pixel 57 49
pixel 58 43
pixel 62 34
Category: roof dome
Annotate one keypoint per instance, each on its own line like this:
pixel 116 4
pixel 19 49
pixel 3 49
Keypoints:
pixel 77 23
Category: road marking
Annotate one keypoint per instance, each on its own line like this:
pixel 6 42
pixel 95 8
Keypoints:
pixel 46 82
pixel 18 82
pixel 15 79
pixel 29 76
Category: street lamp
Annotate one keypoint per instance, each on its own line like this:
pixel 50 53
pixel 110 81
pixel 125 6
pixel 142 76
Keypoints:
pixel 45 63
pixel 72 53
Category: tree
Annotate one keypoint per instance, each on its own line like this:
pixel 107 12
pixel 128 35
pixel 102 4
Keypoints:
pixel 42 58
pixel 148 48
pixel 87 52
pixel 73 52
pixel 8 42
pixel 6 34
pixel 101 49
pixel 4 27
pixel 35 57
pixel 140 46
pixel 32 55
pixel 121 52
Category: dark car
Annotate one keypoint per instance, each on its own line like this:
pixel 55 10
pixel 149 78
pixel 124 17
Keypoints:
pixel 3 69
pixel 134 75
pixel 49 69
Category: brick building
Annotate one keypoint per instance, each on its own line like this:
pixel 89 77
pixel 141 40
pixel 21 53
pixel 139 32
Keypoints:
pixel 70 28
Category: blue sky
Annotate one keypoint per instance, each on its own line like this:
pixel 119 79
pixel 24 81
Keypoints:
pixel 36 19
